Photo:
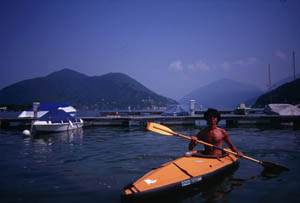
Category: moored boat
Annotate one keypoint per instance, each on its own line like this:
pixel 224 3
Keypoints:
pixel 175 110
pixel 282 109
pixel 242 110
pixel 182 173
pixel 56 121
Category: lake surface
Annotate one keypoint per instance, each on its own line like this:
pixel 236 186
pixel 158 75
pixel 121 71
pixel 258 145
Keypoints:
pixel 94 164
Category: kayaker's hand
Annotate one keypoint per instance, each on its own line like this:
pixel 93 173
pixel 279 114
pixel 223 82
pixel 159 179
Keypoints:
pixel 188 154
pixel 240 154
pixel 194 139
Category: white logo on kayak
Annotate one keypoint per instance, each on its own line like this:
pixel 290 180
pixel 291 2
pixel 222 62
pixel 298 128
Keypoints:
pixel 185 183
pixel 190 181
pixel 149 181
pixel 196 179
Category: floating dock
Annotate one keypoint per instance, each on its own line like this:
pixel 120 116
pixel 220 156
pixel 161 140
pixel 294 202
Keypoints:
pixel 198 120
pixel 231 120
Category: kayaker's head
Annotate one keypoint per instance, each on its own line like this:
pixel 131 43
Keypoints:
pixel 212 113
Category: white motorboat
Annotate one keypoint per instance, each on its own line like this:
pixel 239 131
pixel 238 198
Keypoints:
pixel 56 121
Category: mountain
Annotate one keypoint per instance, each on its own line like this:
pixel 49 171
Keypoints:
pixel 109 91
pixel 223 94
pixel 287 93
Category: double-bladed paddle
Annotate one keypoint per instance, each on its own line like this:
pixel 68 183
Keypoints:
pixel 163 130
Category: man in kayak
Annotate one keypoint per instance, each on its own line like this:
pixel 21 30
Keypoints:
pixel 213 134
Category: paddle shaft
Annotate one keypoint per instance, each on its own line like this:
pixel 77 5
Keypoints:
pixel 210 145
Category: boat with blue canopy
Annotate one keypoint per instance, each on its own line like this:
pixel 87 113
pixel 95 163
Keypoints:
pixel 55 121
pixel 175 110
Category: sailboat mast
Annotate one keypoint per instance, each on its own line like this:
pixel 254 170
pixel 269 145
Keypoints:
pixel 270 84
pixel 294 65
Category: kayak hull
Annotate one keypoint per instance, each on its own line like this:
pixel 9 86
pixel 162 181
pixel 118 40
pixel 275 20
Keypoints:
pixel 180 175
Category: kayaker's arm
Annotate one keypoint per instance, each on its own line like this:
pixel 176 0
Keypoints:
pixel 193 143
pixel 229 143
pixel 194 139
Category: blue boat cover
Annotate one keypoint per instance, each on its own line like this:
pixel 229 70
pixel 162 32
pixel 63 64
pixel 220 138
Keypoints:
pixel 175 110
pixel 57 116
pixel 50 106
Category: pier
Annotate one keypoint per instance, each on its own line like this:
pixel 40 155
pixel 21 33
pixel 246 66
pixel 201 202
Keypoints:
pixel 232 120
pixel 198 120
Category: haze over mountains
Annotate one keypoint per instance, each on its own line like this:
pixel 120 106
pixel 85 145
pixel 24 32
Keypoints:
pixel 285 80
pixel 109 91
pixel 223 94
pixel 287 93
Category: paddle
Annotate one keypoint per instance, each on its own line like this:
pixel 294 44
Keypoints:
pixel 160 129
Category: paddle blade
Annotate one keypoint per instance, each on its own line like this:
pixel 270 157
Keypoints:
pixel 274 166
pixel 160 129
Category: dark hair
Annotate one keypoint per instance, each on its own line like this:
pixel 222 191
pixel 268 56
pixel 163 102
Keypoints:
pixel 212 113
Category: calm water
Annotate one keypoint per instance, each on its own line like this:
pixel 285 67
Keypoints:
pixel 93 165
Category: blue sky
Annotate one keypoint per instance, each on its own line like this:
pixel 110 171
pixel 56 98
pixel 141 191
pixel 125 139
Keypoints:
pixel 171 47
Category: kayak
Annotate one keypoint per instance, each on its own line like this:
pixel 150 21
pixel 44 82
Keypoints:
pixel 193 168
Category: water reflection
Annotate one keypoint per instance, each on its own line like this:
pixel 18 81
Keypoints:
pixel 38 147
pixel 65 136
pixel 215 190
pixel 218 190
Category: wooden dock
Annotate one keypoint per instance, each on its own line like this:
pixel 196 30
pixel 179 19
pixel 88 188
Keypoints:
pixel 198 120
pixel 231 120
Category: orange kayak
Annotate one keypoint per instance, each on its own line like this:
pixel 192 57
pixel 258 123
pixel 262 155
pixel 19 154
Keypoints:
pixel 184 172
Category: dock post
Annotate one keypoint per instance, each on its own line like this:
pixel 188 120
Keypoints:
pixel 192 107
pixel 275 122
pixel 296 123
pixel 4 124
pixel 36 109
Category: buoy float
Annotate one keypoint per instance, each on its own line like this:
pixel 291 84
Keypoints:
pixel 26 133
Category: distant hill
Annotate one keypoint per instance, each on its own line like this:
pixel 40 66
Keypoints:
pixel 287 93
pixel 109 91
pixel 223 94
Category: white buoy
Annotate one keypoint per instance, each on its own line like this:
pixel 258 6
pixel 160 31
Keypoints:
pixel 26 133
